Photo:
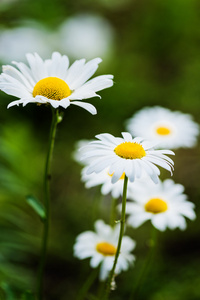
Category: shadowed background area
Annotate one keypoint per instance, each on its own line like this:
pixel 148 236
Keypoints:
pixel 153 50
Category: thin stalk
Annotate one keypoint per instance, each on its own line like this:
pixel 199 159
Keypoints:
pixel 122 224
pixel 147 264
pixel 47 178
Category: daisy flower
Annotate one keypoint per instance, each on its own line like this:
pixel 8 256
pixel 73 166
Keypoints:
pixel 128 155
pixel 104 179
pixel 164 204
pixel 101 246
pixel 53 81
pixel 170 129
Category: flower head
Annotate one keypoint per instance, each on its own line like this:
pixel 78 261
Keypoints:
pixel 169 129
pixel 164 204
pixel 130 156
pixel 101 246
pixel 53 81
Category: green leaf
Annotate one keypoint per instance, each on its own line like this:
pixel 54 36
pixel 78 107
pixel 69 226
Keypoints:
pixel 37 206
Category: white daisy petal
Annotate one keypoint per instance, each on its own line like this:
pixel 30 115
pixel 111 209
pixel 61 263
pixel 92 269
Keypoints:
pixel 95 260
pixel 137 220
pixel 17 102
pixel 16 75
pixel 58 65
pixel 159 223
pixel 25 70
pixel 100 82
pixel 160 162
pixel 107 138
pixel 150 169
pixel 99 165
pixel 87 106
pixel 64 103
pixel 13 91
pixel 104 271
pixel 130 170
pixel 82 93
pixel 88 70
pixel 138 140
pixel 127 136
pixel 138 171
pixel 117 174
pixel 128 244
pixel 165 157
pixel 74 71
pixel 37 66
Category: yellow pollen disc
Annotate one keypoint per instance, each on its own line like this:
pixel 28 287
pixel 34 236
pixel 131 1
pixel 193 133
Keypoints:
pixel 163 130
pixel 106 249
pixel 156 205
pixel 52 88
pixel 129 150
pixel 122 177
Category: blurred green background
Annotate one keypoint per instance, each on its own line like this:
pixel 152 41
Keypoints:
pixel 153 50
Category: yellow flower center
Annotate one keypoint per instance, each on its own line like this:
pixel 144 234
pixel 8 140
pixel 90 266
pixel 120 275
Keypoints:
pixel 122 177
pixel 52 88
pixel 106 249
pixel 163 130
pixel 156 206
pixel 130 150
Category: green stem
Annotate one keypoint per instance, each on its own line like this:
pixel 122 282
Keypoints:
pixel 147 264
pixel 47 178
pixel 122 224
